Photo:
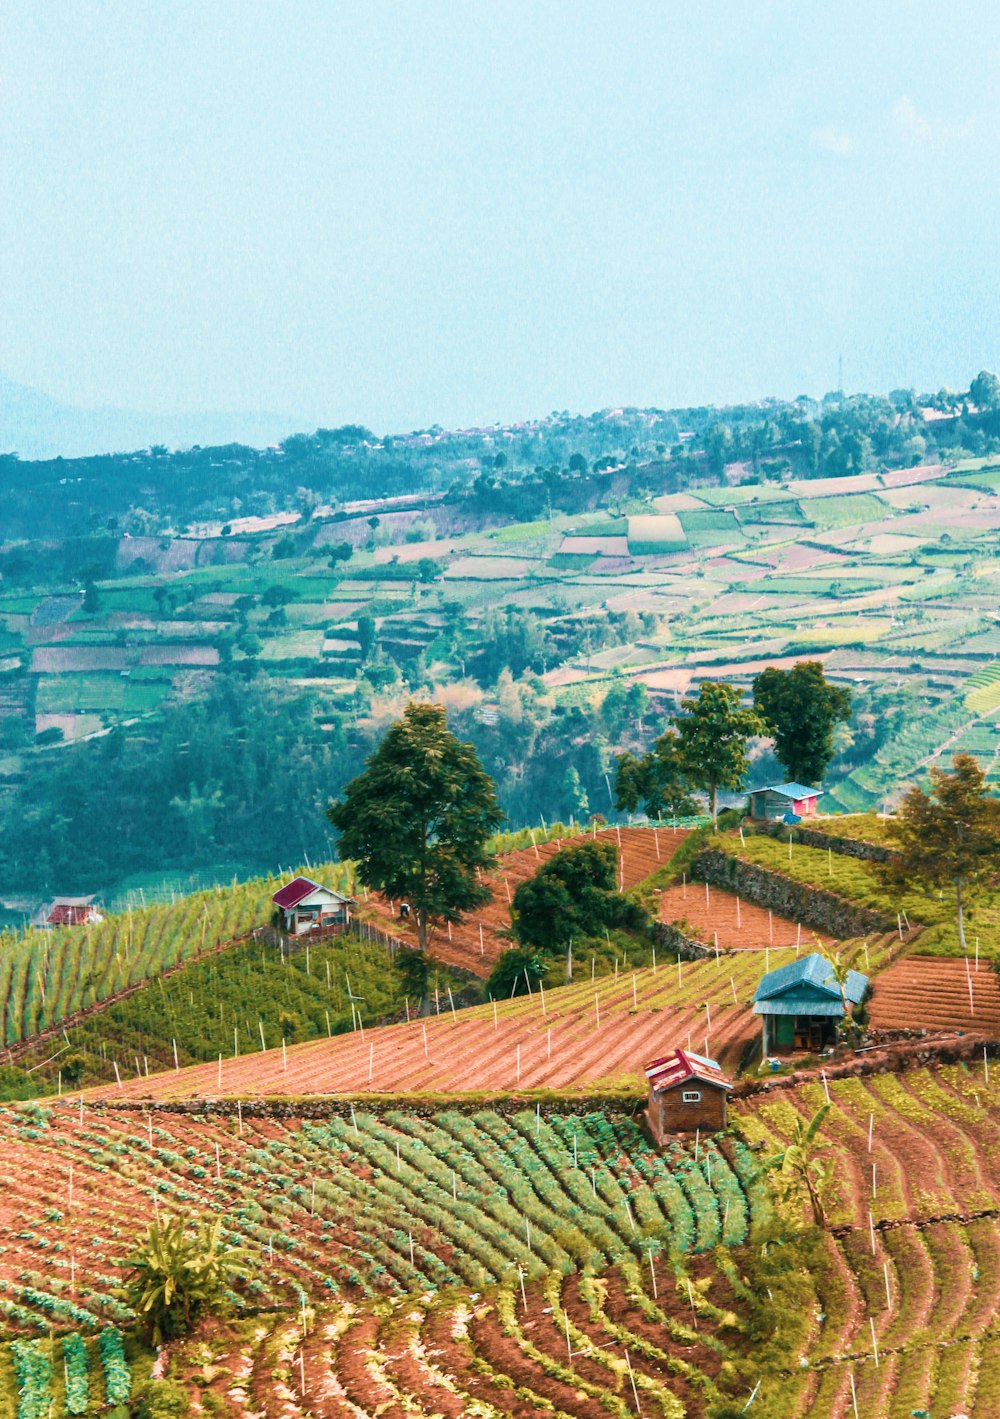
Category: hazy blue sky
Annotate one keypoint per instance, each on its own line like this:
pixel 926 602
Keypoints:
pixel 459 212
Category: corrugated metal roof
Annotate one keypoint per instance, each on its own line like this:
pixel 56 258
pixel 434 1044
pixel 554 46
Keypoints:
pixel 810 982
pixel 795 1004
pixel 296 891
pixel 681 1065
pixel 790 790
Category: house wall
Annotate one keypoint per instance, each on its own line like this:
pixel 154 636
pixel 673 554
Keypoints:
pixel 669 1115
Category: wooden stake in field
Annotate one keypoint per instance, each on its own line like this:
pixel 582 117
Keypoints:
pixel 854 1394
pixel 635 997
pixel 871 1322
pixel 424 1029
pixel 871 1126
pixel 482 948
pixel 652 1274
pixel 524 1299
pixel 635 1392
pixel 451 1002
pixel 707 900
pixel 597 1008
pixel 541 990
pixel 239 1116
pixel 826 1086
pixel 117 1075
pixel 732 983
pixel 968 978
pixel 176 1065
pixel 656 843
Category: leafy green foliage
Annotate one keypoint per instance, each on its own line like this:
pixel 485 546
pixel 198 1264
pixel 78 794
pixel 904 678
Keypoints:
pixel 655 782
pixel 418 820
pixel 948 837
pixel 801 709
pixel 572 897
pixel 180 1270
pixel 798 1165
pixel 713 730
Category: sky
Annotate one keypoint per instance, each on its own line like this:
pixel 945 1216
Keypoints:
pixel 409 213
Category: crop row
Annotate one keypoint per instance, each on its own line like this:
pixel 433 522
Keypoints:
pixel 73 1375
pixel 395 1203
pixel 585 1031
pixel 46 976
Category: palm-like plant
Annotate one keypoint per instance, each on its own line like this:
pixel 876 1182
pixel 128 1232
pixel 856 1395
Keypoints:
pixel 179 1270
pixel 797 1165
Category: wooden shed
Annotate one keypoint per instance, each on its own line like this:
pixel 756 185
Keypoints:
pixel 686 1092
pixel 303 905
pixel 778 800
pixel 801 1003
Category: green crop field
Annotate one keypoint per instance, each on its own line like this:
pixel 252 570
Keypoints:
pixel 707 529
pixel 844 509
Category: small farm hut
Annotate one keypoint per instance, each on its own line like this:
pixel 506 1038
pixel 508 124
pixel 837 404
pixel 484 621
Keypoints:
pixel 778 800
pixel 303 905
pixel 686 1092
pixel 70 911
pixel 801 1003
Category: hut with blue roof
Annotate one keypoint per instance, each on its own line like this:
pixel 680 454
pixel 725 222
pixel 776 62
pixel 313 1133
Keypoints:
pixel 801 1004
pixel 783 801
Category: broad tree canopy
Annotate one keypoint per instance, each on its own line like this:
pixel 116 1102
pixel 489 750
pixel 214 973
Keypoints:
pixel 418 819
pixel 801 709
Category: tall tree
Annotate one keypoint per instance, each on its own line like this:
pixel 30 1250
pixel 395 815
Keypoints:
pixel 418 818
pixel 656 780
pixel 948 837
pixel 712 733
pixel 801 709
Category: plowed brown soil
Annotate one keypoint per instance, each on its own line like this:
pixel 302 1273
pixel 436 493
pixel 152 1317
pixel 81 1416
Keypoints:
pixel 932 993
pixel 721 918
pixel 642 851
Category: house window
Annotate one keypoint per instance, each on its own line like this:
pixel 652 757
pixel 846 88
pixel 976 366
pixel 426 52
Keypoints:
pixel 691 1096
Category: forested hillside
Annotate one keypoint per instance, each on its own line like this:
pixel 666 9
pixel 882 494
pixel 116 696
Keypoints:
pixel 197 649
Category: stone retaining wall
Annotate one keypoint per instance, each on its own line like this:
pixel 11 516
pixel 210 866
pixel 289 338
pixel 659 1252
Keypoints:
pixel 823 911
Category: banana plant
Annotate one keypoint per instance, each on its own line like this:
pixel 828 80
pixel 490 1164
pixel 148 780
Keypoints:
pixel 797 1165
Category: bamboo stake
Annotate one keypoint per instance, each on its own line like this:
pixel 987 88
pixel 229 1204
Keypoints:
pixel 652 1274
pixel 874 1340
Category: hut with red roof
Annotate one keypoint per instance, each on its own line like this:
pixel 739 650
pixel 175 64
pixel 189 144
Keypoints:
pixel 303 905
pixel 686 1092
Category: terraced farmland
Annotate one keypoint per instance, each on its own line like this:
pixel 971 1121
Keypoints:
pixel 589 1031
pixel 923 992
pixel 910 1263
pixel 641 852
pixel 489 1265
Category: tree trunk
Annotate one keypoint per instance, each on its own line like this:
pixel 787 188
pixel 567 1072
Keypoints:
pixel 961 914
pixel 714 800
pixel 819 1217
pixel 422 929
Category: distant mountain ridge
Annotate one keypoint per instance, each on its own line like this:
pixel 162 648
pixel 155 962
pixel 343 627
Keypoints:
pixel 34 425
